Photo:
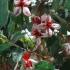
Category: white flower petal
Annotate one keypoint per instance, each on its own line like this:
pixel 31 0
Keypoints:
pixel 56 26
pixel 50 1
pixel 16 2
pixel 68 33
pixel 26 11
pixel 33 2
pixel 17 11
pixel 34 61
pixel 56 31
pixel 27 2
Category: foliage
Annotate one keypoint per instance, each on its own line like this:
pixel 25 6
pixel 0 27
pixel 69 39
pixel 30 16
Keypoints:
pixel 3 12
pixel 44 65
pixel 28 42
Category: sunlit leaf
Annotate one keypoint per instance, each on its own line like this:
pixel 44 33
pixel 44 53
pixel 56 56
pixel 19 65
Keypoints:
pixel 16 36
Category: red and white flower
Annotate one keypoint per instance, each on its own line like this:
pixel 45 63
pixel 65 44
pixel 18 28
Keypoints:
pixel 43 27
pixel 22 5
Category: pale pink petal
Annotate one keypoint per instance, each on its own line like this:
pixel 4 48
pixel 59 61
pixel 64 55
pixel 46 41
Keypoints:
pixel 49 18
pixel 44 35
pixel 26 11
pixel 17 11
pixel 48 33
pixel 27 2
pixel 16 2
pixel 35 26
pixel 44 17
pixel 38 42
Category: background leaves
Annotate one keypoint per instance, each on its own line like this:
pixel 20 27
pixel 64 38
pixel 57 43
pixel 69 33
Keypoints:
pixel 3 12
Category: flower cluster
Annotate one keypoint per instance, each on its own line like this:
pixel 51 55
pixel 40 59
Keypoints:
pixel 44 26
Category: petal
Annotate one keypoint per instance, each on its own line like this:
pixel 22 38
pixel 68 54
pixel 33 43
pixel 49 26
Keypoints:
pixel 27 2
pixel 44 35
pixel 35 26
pixel 34 61
pixel 56 26
pixel 38 41
pixel 16 2
pixel 44 17
pixel 56 31
pixel 50 32
pixel 50 1
pixel 26 11
pixel 17 11
pixel 49 18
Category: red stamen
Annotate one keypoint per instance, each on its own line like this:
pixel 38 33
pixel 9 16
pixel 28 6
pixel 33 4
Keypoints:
pixel 48 25
pixel 21 4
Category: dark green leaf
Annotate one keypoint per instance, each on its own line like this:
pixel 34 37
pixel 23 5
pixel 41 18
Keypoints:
pixel 4 47
pixel 11 27
pixel 3 12
pixel 67 4
pixel 44 65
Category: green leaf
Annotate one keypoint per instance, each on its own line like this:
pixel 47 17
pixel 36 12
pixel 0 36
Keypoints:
pixel 4 47
pixel 11 27
pixel 54 45
pixel 17 56
pixel 3 12
pixel 67 4
pixel 3 38
pixel 10 5
pixel 44 65
pixel 16 36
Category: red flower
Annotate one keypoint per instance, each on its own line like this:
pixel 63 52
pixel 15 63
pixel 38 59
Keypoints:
pixel 26 55
pixel 26 60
